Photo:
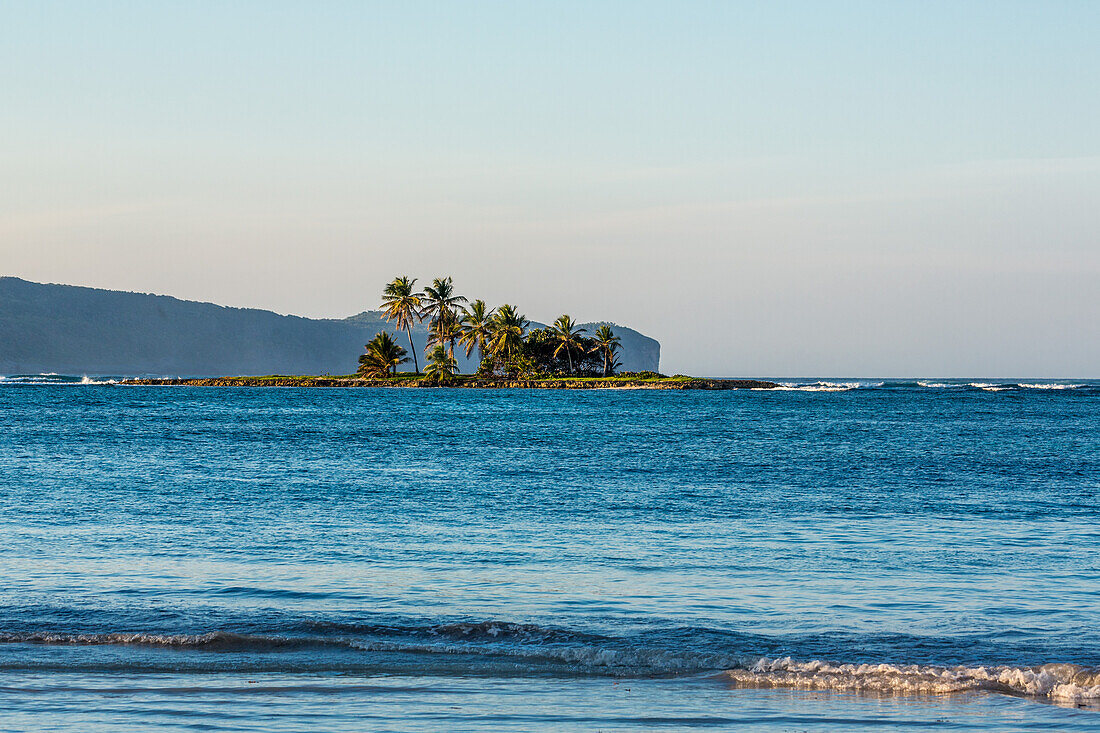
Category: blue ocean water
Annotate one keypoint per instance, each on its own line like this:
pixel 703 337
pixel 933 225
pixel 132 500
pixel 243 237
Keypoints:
pixel 829 556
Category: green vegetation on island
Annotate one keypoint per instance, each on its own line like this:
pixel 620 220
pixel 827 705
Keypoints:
pixel 506 347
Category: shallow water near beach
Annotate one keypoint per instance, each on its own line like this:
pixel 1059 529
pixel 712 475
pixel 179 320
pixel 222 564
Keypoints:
pixel 833 555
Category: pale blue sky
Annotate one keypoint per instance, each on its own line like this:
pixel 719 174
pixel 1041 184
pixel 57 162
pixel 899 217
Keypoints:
pixel 828 188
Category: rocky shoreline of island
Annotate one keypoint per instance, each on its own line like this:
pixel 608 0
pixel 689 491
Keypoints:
pixel 677 382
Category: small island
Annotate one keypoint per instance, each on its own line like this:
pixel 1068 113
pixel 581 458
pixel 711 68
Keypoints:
pixel 635 380
pixel 510 354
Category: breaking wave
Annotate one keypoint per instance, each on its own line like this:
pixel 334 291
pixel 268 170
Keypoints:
pixel 477 649
pixel 53 379
pixel 990 387
pixel 825 386
pixel 1066 683
pixel 954 385
pixel 495 648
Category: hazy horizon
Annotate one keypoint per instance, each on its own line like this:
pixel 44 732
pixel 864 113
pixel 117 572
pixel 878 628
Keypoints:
pixel 805 189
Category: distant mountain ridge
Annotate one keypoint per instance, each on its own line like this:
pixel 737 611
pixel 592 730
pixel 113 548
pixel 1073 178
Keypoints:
pixel 71 329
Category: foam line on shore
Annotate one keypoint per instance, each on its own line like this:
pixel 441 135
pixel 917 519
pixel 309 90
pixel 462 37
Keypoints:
pixel 1057 682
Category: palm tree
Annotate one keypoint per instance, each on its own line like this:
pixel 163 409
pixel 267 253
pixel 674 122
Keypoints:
pixel 477 328
pixel 568 337
pixel 382 357
pixel 441 366
pixel 401 303
pixel 607 343
pixel 507 330
pixel 371 366
pixel 441 305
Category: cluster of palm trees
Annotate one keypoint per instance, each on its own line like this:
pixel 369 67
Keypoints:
pixel 499 335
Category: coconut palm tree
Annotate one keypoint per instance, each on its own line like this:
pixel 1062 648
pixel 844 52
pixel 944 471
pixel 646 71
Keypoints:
pixel 441 306
pixel 372 367
pixel 402 303
pixel 567 334
pixel 382 357
pixel 441 366
pixel 477 328
pixel 507 330
pixel 607 343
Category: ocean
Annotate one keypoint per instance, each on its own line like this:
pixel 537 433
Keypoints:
pixel 833 555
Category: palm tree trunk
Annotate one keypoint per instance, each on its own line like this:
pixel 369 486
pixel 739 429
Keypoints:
pixel 605 362
pixel 412 348
pixel 569 356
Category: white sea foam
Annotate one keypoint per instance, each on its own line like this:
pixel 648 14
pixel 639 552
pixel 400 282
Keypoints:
pixel 88 380
pixel 824 386
pixel 1048 385
pixel 1065 683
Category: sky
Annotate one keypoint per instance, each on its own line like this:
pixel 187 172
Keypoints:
pixel 768 189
